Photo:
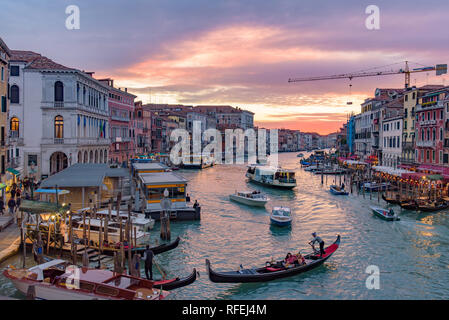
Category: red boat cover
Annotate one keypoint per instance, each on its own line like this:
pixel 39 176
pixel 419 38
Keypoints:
pixel 273 269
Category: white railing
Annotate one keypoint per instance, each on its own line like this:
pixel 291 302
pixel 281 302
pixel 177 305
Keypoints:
pixel 425 143
pixel 427 122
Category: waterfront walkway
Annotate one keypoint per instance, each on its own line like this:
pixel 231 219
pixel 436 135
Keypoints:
pixel 9 241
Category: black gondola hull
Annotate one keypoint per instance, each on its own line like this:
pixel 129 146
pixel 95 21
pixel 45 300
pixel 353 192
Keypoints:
pixel 259 276
pixel 177 283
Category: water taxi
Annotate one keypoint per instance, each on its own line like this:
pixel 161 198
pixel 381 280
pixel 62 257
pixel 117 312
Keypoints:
pixel 197 161
pixel 270 176
pixel 250 198
pixel 281 216
pixel 56 280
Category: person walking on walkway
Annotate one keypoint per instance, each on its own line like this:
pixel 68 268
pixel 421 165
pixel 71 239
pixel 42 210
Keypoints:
pixel 2 206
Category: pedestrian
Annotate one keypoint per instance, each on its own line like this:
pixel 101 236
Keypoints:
pixel 148 257
pixel 18 193
pixel 13 193
pixel 18 201
pixel 2 206
pixel 11 206
pixel 196 204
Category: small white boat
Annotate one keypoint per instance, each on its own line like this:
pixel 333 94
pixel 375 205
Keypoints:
pixel 250 198
pixel 281 216
pixel 138 219
pixel 93 226
pixel 388 215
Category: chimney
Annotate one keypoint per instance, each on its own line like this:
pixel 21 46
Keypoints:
pixel 126 89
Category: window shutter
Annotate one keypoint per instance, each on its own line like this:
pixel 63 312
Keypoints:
pixel 3 104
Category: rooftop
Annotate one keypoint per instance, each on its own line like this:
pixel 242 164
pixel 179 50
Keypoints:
pixel 83 175
pixel 162 178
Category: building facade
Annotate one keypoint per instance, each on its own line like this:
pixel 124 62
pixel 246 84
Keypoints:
pixel 430 124
pixel 5 55
pixel 392 138
pixel 58 115
pixel 121 121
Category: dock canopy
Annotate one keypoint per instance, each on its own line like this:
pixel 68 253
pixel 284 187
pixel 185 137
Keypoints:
pixel 148 167
pixel 52 191
pixel 41 207
pixel 83 175
pixel 13 171
pixel 162 178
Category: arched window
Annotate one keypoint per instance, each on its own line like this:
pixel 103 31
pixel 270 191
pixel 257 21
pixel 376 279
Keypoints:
pixel 80 157
pixel 96 156
pixel 85 157
pixel 14 98
pixel 14 123
pixel 101 156
pixel 105 156
pixel 59 127
pixel 91 157
pixel 59 91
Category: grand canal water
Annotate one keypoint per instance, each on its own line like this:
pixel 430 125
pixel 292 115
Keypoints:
pixel 412 254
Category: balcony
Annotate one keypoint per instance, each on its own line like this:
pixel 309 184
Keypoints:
pixel 76 141
pixel 59 104
pixel 118 118
pixel 427 123
pixel 425 144
pixel 408 145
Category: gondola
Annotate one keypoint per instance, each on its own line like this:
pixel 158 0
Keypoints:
pixel 156 250
pixel 433 207
pixel 390 200
pixel 272 271
pixel 385 214
pixel 171 284
pixel 409 205
pixel 337 191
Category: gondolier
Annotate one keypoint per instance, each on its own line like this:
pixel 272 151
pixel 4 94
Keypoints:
pixel 320 241
pixel 148 257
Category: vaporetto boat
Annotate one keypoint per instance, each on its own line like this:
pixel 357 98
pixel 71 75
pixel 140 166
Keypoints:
pixel 250 198
pixel 271 176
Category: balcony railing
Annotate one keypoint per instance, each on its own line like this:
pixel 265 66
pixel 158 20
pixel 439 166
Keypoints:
pixel 427 122
pixel 59 104
pixel 429 143
pixel 58 140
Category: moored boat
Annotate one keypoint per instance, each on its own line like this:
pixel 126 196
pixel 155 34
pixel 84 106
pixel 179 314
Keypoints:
pixel 250 198
pixel 395 200
pixel 433 206
pixel 409 204
pixel 338 190
pixel 388 215
pixel 272 177
pixel 272 271
pixel 56 280
pixel 281 216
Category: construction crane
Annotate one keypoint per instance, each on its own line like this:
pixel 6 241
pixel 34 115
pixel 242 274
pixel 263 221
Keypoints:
pixel 439 68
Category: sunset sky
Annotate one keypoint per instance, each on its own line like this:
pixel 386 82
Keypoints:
pixel 239 53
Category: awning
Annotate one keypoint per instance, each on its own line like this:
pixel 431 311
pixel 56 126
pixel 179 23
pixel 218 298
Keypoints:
pixel 434 177
pixel 52 191
pixel 13 171
pixel 41 207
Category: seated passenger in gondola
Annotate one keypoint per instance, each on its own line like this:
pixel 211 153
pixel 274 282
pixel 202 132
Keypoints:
pixel 391 212
pixel 300 259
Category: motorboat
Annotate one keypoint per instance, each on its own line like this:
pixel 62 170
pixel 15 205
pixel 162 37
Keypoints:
pixel 250 198
pixel 281 216
pixel 57 280
pixel 271 176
